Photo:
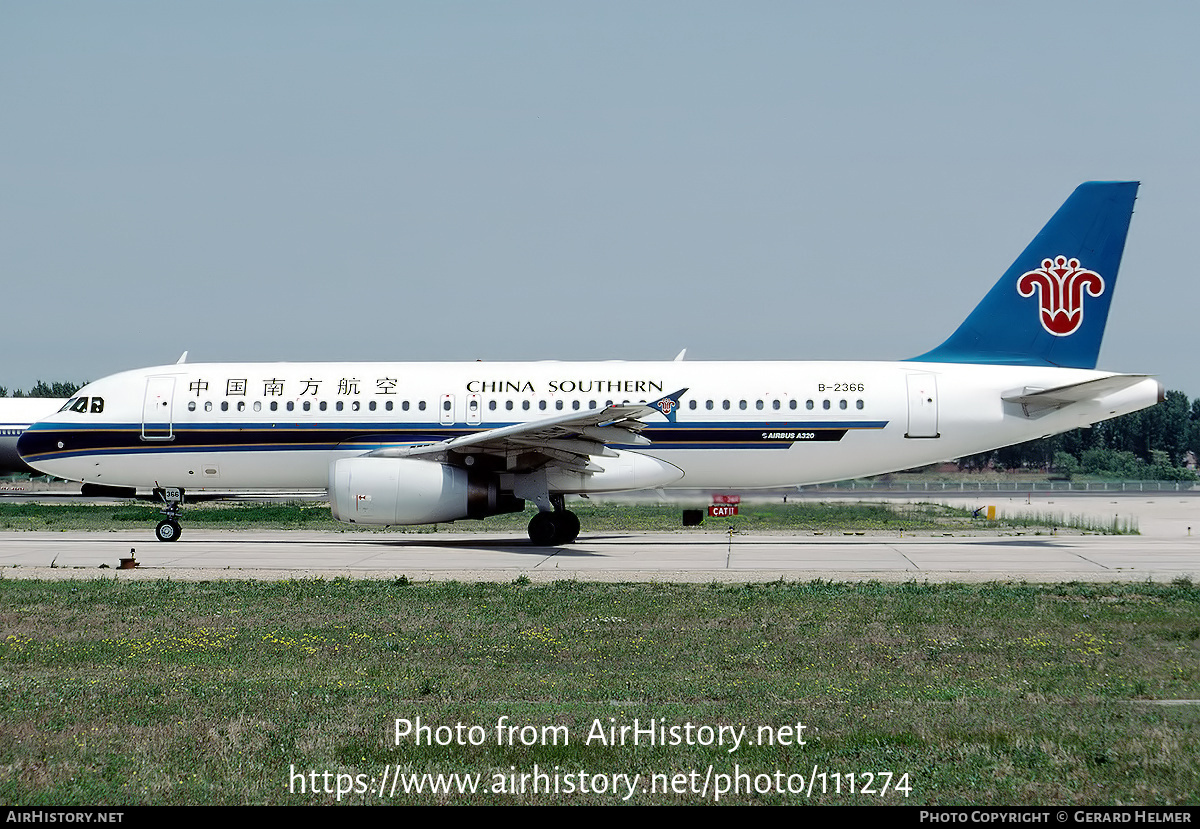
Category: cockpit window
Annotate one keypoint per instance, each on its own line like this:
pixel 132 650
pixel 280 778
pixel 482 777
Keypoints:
pixel 83 405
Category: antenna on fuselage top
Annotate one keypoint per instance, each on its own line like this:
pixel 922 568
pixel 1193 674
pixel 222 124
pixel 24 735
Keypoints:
pixel 679 356
pixel 182 359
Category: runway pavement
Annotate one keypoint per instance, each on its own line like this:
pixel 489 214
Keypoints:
pixel 1168 548
pixel 640 557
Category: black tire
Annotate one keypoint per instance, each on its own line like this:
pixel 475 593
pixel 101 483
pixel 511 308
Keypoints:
pixel 566 525
pixel 543 529
pixel 167 531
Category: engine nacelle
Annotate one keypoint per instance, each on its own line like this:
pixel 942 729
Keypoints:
pixel 393 491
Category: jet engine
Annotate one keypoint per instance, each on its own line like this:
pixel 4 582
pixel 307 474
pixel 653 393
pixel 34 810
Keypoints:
pixel 392 491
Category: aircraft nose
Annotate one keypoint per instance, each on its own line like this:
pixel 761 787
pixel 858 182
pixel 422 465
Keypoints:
pixel 22 444
pixel 31 443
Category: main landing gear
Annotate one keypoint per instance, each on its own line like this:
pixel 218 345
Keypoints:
pixel 168 529
pixel 551 528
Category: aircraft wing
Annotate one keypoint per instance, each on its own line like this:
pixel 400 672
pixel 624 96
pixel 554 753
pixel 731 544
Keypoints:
pixel 1035 401
pixel 566 439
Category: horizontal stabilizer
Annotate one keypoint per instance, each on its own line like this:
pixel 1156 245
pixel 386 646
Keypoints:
pixel 1035 401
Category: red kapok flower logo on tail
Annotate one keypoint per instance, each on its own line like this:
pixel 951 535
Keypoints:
pixel 1060 284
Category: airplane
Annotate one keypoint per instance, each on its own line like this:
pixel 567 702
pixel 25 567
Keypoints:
pixel 421 443
pixel 16 415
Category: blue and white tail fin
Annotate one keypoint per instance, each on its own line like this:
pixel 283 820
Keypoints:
pixel 1050 307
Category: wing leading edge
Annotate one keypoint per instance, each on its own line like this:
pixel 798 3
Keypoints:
pixel 567 440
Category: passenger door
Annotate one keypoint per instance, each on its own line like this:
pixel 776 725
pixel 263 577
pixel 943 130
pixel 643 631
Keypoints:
pixel 156 409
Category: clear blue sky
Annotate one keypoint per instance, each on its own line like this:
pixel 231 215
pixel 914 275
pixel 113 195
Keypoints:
pixel 607 180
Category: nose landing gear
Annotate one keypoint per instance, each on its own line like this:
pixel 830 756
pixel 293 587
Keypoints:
pixel 169 529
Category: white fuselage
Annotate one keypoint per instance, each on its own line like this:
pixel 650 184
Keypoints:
pixel 739 424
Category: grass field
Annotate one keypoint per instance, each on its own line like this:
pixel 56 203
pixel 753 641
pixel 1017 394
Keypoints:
pixel 794 517
pixel 244 692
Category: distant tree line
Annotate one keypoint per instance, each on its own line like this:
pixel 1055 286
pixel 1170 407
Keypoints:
pixel 44 389
pixel 1152 444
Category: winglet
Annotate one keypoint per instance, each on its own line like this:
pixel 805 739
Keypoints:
pixel 668 405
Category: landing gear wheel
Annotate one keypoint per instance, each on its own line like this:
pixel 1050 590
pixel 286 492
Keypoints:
pixel 172 500
pixel 167 531
pixel 566 524
pixel 543 529
pixel 549 529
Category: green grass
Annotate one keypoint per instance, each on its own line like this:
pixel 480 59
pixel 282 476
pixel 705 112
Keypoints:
pixel 795 516
pixel 211 692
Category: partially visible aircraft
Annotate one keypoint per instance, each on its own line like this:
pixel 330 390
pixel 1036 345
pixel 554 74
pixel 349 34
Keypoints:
pixel 16 415
pixel 418 443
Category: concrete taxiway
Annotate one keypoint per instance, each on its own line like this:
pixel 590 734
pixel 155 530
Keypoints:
pixel 626 557
pixel 1168 548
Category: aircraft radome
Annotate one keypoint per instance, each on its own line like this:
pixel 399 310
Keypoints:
pixel 418 443
pixel 16 415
